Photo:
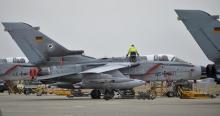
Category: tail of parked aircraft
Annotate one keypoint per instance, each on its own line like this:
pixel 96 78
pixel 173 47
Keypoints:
pixel 205 29
pixel 35 45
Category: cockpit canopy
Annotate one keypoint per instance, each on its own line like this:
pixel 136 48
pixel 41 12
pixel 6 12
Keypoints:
pixel 164 57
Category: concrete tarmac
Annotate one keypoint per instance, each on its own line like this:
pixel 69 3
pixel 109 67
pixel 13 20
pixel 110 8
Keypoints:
pixel 21 105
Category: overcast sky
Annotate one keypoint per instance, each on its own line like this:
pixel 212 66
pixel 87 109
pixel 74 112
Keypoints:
pixel 106 28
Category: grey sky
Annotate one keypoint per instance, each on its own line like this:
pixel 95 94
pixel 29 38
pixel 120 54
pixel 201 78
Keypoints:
pixel 106 28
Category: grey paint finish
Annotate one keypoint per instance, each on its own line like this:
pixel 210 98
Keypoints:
pixel 111 73
pixel 202 27
pixel 35 45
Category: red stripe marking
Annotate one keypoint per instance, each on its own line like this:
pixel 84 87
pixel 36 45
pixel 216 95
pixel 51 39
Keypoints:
pixel 61 61
pixel 11 69
pixel 152 69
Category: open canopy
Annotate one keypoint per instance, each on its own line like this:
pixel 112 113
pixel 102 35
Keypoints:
pixel 164 57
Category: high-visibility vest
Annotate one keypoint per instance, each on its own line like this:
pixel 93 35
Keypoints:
pixel 132 49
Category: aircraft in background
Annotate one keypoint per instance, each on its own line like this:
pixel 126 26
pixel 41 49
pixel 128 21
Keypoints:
pixel 49 62
pixel 205 29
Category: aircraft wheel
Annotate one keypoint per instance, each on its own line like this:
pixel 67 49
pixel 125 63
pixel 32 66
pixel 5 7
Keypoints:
pixel 170 94
pixel 109 94
pixel 1 89
pixel 95 94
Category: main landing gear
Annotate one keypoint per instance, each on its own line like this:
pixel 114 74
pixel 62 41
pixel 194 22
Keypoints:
pixel 96 94
pixel 109 94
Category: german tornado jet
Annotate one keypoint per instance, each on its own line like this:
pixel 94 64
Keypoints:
pixel 50 62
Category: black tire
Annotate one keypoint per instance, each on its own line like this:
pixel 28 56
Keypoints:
pixel 95 94
pixel 1 91
pixel 170 94
pixel 217 80
pixel 2 88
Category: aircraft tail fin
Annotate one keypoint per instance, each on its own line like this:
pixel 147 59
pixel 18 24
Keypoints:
pixel 35 45
pixel 205 29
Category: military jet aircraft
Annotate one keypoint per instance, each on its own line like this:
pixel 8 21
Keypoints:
pixel 50 62
pixel 205 29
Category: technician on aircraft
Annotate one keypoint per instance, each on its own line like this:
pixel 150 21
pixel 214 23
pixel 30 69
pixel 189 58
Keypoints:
pixel 132 52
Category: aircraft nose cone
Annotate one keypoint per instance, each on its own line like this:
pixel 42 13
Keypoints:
pixel 197 72
pixel 140 82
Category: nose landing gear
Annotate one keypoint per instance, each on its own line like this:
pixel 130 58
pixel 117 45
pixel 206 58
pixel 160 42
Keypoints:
pixel 96 94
